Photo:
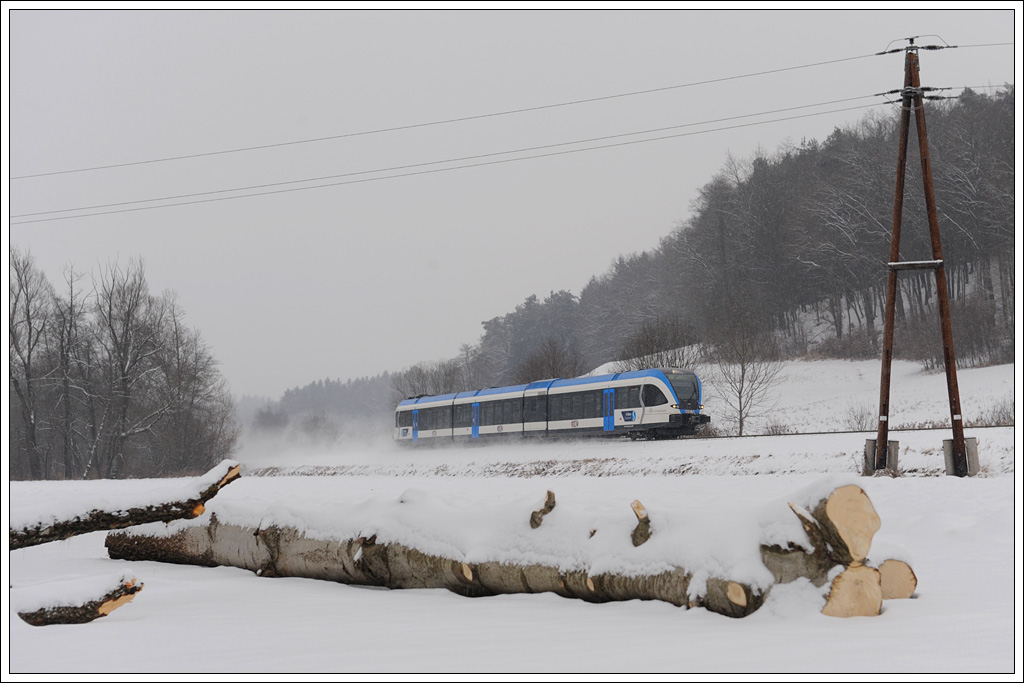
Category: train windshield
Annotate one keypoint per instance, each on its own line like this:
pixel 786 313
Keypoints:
pixel 687 389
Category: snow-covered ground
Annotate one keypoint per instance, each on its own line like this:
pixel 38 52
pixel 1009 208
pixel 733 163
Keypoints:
pixel 711 502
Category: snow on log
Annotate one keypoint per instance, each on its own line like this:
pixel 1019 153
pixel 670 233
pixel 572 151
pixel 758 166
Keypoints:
pixel 422 541
pixel 77 602
pixel 163 505
pixel 840 529
pixel 285 551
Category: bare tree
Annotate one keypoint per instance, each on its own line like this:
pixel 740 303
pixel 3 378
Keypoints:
pixel 67 340
pixel 29 311
pixel 747 369
pixel 129 337
pixel 198 427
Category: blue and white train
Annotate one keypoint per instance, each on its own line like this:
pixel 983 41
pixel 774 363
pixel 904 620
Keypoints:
pixel 649 404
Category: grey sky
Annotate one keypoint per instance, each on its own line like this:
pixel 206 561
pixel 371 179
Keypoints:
pixel 356 279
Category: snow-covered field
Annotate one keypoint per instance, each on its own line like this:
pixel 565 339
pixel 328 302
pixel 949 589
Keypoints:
pixel 711 502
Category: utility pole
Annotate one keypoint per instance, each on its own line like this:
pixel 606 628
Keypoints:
pixel 913 101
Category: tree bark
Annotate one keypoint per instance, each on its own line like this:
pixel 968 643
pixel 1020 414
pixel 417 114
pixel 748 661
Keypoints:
pixel 839 531
pixel 187 507
pixel 285 551
pixel 87 611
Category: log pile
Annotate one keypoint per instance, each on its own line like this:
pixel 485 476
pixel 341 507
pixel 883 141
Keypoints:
pixel 838 529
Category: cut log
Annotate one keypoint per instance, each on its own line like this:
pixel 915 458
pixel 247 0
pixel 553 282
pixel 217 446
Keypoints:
pixel 285 551
pixel 179 503
pixel 856 592
pixel 86 611
pixel 898 580
pixel 839 529
pixel 537 516
pixel 848 522
pixel 642 532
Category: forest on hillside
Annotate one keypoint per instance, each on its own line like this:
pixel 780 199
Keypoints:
pixel 783 255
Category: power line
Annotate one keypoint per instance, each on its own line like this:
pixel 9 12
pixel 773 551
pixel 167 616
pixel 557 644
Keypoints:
pixel 445 121
pixel 437 170
pixel 987 45
pixel 441 161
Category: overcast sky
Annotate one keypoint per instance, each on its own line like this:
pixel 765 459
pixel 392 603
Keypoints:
pixel 357 278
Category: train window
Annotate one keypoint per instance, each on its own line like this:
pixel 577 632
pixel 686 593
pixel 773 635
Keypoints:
pixel 653 396
pixel 487 414
pixel 517 410
pixel 463 415
pixel 627 397
pixel 405 418
pixel 535 409
pixel 560 407
pixel 577 406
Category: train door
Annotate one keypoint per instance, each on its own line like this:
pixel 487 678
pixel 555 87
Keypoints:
pixel 476 421
pixel 415 425
pixel 609 410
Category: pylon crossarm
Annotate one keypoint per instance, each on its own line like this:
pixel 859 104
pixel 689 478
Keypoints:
pixel 915 265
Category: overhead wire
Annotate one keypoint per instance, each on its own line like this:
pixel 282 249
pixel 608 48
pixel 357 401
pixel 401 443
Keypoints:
pixel 444 161
pixel 440 161
pixel 421 172
pixel 459 119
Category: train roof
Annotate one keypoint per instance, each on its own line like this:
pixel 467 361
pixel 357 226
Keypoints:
pixel 632 374
pixel 547 384
pixel 415 400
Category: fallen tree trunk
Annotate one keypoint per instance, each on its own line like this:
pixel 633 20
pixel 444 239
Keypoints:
pixel 85 609
pixel 285 551
pixel 180 503
pixel 839 529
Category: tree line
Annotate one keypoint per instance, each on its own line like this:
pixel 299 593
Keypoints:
pixel 107 381
pixel 793 245
pixel 783 255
